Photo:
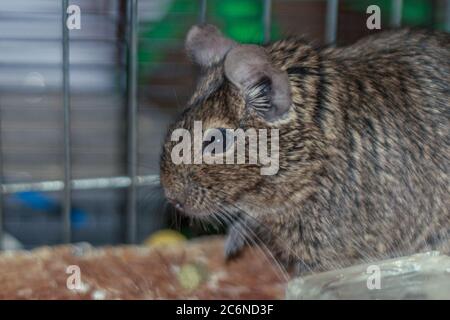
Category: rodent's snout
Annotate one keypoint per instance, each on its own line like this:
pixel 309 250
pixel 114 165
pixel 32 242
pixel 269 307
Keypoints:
pixel 185 201
pixel 174 194
pixel 177 204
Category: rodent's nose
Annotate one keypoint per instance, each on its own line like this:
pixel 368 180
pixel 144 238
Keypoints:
pixel 177 204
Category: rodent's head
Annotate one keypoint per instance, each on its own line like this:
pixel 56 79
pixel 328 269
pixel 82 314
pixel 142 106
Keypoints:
pixel 241 87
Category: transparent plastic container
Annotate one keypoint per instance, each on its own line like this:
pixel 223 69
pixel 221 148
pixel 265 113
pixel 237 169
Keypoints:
pixel 420 276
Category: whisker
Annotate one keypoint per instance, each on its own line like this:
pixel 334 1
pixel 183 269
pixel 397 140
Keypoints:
pixel 269 232
pixel 259 245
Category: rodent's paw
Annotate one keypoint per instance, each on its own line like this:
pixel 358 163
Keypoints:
pixel 234 243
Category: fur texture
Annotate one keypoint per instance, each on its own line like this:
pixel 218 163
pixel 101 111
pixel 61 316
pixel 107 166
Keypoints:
pixel 364 152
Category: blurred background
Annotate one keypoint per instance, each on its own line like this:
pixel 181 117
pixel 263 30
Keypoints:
pixel 31 112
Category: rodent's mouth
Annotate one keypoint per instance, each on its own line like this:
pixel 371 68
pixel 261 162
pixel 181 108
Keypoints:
pixel 194 212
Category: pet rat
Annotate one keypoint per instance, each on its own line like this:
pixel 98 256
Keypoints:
pixel 363 145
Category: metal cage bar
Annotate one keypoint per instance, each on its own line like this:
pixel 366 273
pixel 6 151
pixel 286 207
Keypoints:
pixel 2 213
pixel 79 184
pixel 67 228
pixel 331 21
pixel 132 15
pixel 447 15
pixel 396 16
pixel 202 13
pixel 267 20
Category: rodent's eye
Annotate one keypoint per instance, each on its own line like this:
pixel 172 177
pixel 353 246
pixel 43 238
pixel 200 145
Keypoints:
pixel 217 141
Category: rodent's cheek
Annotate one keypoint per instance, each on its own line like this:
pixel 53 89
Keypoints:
pixel 174 191
pixel 166 184
pixel 196 212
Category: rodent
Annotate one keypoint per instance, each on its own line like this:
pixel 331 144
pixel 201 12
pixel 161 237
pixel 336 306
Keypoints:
pixel 363 145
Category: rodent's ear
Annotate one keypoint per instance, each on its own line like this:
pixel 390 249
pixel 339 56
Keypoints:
pixel 206 45
pixel 266 88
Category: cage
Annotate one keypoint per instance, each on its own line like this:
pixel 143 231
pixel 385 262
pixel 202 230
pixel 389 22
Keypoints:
pixel 83 111
pixel 78 172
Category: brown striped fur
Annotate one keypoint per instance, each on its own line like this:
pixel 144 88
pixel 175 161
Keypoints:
pixel 364 152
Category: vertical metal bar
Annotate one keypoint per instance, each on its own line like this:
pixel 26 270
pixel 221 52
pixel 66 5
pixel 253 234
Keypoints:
pixel 331 23
pixel 202 13
pixel 67 140
pixel 396 16
pixel 132 120
pixel 267 20
pixel 447 16
pixel 433 19
pixel 2 213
